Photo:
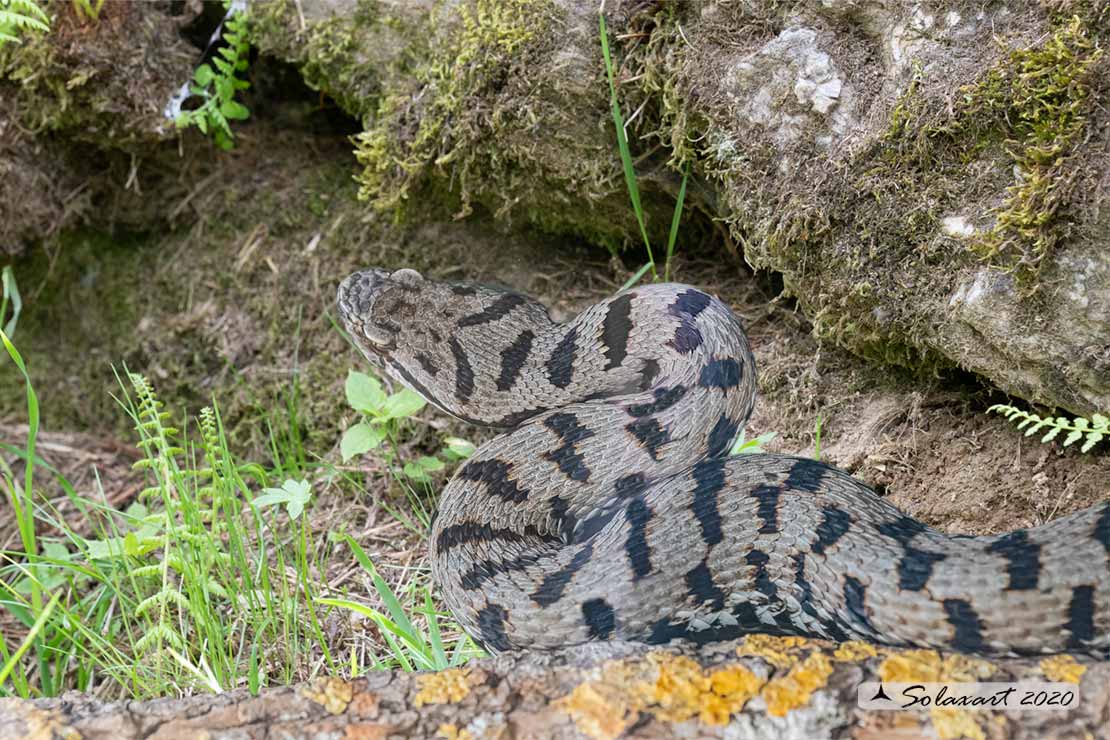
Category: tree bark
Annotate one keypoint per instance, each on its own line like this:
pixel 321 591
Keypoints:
pixel 758 687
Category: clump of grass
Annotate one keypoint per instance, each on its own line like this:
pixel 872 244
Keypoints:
pixel 410 648
pixel 1091 431
pixel 630 175
pixel 195 587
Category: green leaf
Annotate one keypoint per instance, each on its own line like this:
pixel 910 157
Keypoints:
pixel 203 75
pixel 364 393
pixel 202 124
pixel 416 473
pixel 622 143
pixel 294 494
pixel 751 446
pixel 1052 434
pixel 11 292
pixel 431 464
pixel 235 111
pixel 1093 438
pixel 402 404
pixel 459 448
pixel 359 439
pixel 1073 437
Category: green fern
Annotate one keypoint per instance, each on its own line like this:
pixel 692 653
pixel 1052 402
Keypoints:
pixel 1092 430
pixel 218 87
pixel 19 16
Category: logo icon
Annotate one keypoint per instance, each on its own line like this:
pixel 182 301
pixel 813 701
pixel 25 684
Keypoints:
pixel 880 695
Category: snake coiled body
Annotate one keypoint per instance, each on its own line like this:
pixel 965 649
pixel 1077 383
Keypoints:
pixel 610 509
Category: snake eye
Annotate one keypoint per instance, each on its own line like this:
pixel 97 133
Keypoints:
pixel 379 338
pixel 406 276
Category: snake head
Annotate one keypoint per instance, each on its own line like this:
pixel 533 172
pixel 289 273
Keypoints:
pixel 372 304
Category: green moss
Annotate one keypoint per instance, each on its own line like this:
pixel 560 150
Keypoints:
pixel 1043 96
pixel 1034 108
pixel 440 125
pixel 870 259
pixel 95 79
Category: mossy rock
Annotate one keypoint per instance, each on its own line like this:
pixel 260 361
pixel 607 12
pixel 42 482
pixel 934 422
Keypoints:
pixel 921 177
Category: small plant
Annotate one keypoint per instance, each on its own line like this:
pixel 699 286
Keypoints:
pixel 630 175
pixel 1092 430
pixel 218 87
pixel 751 446
pixel 382 415
pixel 293 494
pixel 19 16
pixel 382 419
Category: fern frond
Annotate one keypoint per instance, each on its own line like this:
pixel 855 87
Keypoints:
pixel 19 16
pixel 1092 430
pixel 219 86
pixel 157 635
pixel 166 595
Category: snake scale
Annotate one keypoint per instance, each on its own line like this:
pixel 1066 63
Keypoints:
pixel 610 508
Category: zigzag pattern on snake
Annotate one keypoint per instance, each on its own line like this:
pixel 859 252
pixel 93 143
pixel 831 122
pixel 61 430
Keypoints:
pixel 610 508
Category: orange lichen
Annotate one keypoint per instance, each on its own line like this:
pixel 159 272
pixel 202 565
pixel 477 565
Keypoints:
pixel 781 652
pixel 444 687
pixel 951 724
pixel 671 688
pixel 1062 668
pixel 854 652
pixel 924 666
pixel 795 688
pixel 332 693
pixel 927 666
pixel 808 668
pixel 452 732
pixel 607 706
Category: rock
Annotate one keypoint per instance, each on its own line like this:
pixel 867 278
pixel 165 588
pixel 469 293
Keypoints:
pixel 758 687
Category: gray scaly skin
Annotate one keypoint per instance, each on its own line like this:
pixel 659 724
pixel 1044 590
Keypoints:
pixel 610 510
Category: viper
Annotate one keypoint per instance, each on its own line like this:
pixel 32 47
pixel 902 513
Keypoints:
pixel 610 508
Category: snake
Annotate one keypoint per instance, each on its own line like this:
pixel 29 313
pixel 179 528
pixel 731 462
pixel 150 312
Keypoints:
pixel 608 506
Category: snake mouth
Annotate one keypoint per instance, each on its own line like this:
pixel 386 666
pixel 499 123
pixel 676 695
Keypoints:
pixel 355 302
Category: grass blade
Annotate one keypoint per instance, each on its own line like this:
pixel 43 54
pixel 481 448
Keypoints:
pixel 24 512
pixel 433 633
pixel 35 629
pixel 622 144
pixel 636 276
pixel 11 293
pixel 673 236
